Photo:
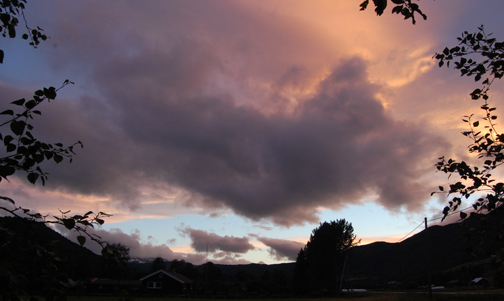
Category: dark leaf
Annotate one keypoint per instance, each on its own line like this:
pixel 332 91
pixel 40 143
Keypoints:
pixel 39 157
pixel 68 223
pixel 446 210
pixel 30 104
pixel 7 112
pixel 48 155
pixel 17 127
pixel 81 239
pixel 32 177
pixel 397 9
pixel 380 6
pixel 18 102
pixel 11 147
pixel 50 92
pixel 58 158
pixel 6 171
pixel 364 5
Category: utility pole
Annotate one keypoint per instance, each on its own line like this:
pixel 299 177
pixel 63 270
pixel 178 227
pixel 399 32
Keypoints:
pixel 428 263
pixel 206 271
pixel 342 274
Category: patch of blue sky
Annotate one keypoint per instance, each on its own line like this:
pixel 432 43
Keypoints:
pixel 22 66
pixel 27 68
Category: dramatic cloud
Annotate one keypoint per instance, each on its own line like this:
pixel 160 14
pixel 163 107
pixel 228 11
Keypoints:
pixel 281 249
pixel 338 146
pixel 216 116
pixel 201 240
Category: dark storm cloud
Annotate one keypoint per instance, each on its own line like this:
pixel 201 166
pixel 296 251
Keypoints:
pixel 175 114
pixel 337 147
pixel 201 240
pixel 281 248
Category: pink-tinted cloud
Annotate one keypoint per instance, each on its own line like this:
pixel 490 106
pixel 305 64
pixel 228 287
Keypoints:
pixel 282 249
pixel 236 109
pixel 280 167
pixel 203 241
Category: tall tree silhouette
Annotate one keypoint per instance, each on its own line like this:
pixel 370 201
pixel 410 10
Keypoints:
pixel 319 264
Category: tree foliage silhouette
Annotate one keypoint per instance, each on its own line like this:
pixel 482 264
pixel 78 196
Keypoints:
pixel 24 153
pixel 481 56
pixel 115 256
pixel 403 7
pixel 319 263
pixel 157 264
pixel 10 13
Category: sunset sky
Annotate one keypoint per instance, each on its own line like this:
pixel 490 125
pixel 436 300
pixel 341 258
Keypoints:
pixel 240 125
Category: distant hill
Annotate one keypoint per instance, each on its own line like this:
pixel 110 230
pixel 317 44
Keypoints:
pixel 255 269
pixel 438 249
pixel 142 266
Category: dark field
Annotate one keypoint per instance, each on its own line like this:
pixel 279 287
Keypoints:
pixel 369 296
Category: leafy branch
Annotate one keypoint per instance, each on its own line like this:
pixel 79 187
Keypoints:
pixel 403 7
pixel 23 151
pixel 478 55
pixel 77 223
pixel 10 11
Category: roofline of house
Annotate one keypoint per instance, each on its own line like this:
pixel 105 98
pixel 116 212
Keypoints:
pixel 166 273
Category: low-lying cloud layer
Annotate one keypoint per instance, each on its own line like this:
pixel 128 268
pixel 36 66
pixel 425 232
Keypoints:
pixel 203 241
pixel 230 246
pixel 282 249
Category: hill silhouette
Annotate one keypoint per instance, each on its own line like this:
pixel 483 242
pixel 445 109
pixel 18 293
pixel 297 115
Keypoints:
pixel 25 238
pixel 436 249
